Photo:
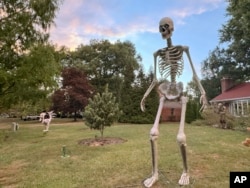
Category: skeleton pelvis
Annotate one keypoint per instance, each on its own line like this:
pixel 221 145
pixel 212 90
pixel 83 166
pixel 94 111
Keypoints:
pixel 171 90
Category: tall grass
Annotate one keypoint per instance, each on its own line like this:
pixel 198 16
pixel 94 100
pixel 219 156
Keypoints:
pixel 30 159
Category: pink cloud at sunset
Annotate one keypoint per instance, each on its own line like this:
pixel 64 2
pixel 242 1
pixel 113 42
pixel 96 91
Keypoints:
pixel 196 24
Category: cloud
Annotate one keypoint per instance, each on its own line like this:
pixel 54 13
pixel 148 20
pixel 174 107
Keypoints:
pixel 79 21
pixel 180 12
pixel 187 11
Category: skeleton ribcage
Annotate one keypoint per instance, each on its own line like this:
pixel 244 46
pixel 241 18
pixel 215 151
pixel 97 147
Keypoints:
pixel 171 62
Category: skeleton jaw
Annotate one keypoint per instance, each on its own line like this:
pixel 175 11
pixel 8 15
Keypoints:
pixel 166 35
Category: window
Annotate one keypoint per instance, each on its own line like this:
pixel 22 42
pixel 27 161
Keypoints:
pixel 240 107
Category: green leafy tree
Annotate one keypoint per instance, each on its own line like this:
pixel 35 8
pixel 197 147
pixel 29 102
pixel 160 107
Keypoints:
pixel 107 63
pixel 34 79
pixel 22 24
pixel 101 111
pixel 132 96
pixel 214 68
pixel 193 113
pixel 234 59
pixel 23 32
pixel 236 33
pixel 193 105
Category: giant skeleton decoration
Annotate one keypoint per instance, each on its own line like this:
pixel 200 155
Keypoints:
pixel 170 63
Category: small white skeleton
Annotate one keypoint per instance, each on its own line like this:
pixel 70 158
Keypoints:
pixel 170 64
pixel 46 120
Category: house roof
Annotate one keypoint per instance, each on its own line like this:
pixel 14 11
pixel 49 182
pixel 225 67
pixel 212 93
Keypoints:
pixel 238 92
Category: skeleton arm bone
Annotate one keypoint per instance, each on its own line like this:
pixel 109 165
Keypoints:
pixel 152 85
pixel 203 98
pixel 154 82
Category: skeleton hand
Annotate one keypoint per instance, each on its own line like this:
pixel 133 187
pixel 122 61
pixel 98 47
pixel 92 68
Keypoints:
pixel 203 101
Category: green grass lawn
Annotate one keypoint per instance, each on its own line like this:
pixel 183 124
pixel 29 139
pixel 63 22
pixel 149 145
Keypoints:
pixel 29 159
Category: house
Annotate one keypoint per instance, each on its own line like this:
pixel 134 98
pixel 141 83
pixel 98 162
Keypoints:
pixel 236 98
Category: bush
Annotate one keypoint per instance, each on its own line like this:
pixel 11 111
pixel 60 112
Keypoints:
pixel 138 119
pixel 211 118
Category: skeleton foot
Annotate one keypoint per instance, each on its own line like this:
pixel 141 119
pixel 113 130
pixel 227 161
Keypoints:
pixel 45 131
pixel 184 180
pixel 150 181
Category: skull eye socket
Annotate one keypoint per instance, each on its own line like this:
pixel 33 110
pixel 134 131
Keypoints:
pixel 163 28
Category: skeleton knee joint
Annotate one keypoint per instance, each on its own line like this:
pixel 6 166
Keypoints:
pixel 153 137
pixel 154 133
pixel 181 139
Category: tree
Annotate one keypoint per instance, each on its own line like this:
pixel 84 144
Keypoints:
pixel 234 59
pixel 22 24
pixel 193 111
pixel 237 34
pixel 23 32
pixel 107 63
pixel 131 98
pixel 101 111
pixel 34 79
pixel 193 105
pixel 73 96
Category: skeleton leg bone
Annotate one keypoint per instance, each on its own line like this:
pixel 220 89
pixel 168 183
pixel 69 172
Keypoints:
pixel 47 127
pixel 155 176
pixel 46 123
pixel 181 139
pixel 154 133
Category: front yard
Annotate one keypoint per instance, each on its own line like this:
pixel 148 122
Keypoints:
pixel 30 159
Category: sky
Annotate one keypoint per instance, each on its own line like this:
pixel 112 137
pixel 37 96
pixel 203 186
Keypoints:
pixel 196 24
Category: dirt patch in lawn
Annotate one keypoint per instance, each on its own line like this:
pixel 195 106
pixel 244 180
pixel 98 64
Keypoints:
pixel 9 174
pixel 101 141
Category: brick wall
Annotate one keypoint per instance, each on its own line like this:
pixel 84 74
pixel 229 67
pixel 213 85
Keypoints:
pixel 170 114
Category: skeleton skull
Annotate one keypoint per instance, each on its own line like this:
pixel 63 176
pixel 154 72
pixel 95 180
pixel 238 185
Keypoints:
pixel 166 27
